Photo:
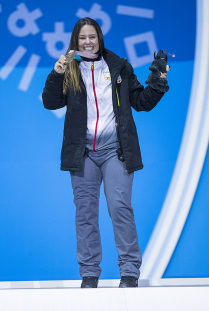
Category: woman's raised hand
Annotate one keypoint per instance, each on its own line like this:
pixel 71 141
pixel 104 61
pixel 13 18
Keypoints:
pixel 164 75
pixel 60 65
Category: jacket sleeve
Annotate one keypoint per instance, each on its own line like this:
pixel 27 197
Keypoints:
pixel 142 99
pixel 52 95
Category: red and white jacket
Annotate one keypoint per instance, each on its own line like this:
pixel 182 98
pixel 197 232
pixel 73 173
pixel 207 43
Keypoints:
pixel 101 126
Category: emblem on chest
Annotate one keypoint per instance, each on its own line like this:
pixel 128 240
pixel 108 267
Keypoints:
pixel 119 79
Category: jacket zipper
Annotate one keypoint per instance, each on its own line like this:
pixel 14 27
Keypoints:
pixel 97 108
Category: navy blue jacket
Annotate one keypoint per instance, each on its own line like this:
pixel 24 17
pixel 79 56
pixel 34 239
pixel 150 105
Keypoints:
pixel 126 94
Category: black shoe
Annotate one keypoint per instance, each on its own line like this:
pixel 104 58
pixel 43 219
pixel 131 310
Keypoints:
pixel 128 281
pixel 89 282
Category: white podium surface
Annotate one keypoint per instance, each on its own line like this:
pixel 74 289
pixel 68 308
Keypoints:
pixel 152 295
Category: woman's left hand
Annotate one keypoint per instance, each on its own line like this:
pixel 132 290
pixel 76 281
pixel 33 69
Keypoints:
pixel 164 75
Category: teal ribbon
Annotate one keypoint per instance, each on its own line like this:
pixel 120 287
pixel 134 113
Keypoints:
pixel 78 58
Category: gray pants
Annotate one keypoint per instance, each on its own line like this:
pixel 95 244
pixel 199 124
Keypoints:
pixel 97 166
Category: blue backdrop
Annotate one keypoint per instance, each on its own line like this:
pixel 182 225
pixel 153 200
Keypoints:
pixel 37 227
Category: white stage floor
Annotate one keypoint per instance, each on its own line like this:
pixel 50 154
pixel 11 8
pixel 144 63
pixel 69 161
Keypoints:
pixel 151 295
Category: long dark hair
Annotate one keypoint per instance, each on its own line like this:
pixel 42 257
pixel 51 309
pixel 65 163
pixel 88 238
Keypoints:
pixel 72 72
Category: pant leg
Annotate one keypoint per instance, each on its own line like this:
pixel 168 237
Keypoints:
pixel 86 189
pixel 118 191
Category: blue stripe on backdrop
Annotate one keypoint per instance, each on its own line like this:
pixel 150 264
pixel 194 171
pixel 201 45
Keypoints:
pixel 190 258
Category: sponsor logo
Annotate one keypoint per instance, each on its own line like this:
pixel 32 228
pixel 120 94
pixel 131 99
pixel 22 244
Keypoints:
pixel 107 75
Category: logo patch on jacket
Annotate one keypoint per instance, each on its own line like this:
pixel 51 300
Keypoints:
pixel 106 75
pixel 119 79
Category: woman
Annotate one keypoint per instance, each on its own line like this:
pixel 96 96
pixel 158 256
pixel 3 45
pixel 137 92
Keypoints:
pixel 100 143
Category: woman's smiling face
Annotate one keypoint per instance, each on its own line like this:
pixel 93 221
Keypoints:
pixel 88 40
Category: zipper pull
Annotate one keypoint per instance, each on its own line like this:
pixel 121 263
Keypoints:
pixel 92 66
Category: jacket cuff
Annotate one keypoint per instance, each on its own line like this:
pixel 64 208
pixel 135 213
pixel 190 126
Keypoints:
pixel 156 82
pixel 57 73
pixel 56 77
